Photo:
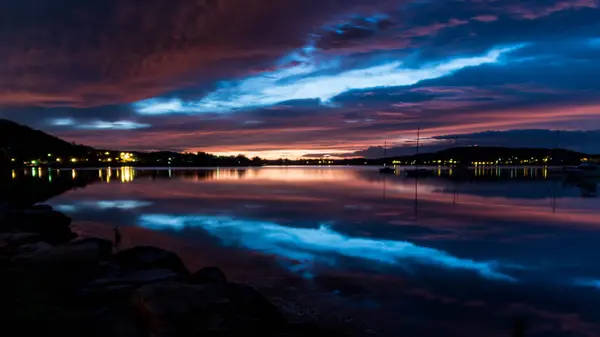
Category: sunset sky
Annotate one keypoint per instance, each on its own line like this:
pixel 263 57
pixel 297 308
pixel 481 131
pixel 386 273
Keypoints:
pixel 293 78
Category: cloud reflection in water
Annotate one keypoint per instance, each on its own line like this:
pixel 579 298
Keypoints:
pixel 307 245
pixel 103 205
pixel 592 283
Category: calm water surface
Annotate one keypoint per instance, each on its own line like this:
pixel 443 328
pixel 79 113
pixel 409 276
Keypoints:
pixel 437 257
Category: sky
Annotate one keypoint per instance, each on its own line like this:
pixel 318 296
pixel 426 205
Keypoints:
pixel 310 78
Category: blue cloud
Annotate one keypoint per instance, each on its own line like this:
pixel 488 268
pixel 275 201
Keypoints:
pixel 592 283
pixel 98 125
pixel 102 205
pixel 302 82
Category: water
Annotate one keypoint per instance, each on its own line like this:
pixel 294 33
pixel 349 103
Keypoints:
pixel 437 256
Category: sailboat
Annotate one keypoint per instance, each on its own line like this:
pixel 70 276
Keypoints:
pixel 418 172
pixel 386 169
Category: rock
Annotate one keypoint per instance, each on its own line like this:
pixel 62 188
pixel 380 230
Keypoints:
pixel 113 320
pixel 145 257
pixel 139 277
pixel 40 208
pixel 121 283
pixel 62 270
pixel 248 298
pixel 170 309
pixel 208 275
pixel 25 252
pixel 15 239
pixel 175 309
pixel 15 244
pixel 53 226
pixel 313 330
pixel 86 251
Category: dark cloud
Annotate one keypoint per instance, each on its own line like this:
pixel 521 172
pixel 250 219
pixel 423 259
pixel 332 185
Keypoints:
pixel 86 53
pixel 86 61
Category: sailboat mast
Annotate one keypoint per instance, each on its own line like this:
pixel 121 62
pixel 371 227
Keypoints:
pixel 418 137
pixel 384 150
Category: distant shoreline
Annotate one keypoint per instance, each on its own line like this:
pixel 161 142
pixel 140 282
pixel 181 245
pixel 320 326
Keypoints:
pixel 178 167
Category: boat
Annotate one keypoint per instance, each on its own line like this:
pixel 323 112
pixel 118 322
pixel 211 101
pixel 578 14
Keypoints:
pixel 418 172
pixel 386 169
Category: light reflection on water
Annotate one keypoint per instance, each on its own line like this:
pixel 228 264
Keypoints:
pixel 306 245
pixel 436 250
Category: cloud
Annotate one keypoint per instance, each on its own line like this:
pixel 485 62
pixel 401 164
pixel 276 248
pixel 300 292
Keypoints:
pixel 308 245
pixel 118 125
pixel 63 121
pixel 485 18
pixel 535 12
pixel 99 125
pixel 82 63
pixel 90 53
pixel 102 205
pixel 305 82
pixel 592 283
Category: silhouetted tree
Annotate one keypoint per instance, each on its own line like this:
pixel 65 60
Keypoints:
pixel 256 161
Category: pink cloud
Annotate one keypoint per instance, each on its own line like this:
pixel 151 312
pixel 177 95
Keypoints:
pixel 532 13
pixel 485 18
pixel 436 27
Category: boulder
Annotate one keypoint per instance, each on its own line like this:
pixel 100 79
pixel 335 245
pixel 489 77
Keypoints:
pixel 16 239
pixel 208 275
pixel 86 251
pixel 26 251
pixel 146 257
pixel 113 320
pixel 40 208
pixel 246 298
pixel 53 226
pixel 61 270
pixel 119 283
pixel 15 244
pixel 175 309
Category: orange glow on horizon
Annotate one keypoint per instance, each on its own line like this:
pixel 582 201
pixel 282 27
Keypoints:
pixel 276 154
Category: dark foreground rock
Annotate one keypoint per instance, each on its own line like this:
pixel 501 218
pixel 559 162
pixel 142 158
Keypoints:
pixel 53 227
pixel 145 257
pixel 176 309
pixel 212 275
pixel 55 286
pixel 80 252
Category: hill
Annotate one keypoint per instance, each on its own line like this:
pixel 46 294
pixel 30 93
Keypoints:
pixel 23 143
pixel 23 146
pixel 506 155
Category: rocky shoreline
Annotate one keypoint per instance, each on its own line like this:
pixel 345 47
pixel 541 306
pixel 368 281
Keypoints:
pixel 56 283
